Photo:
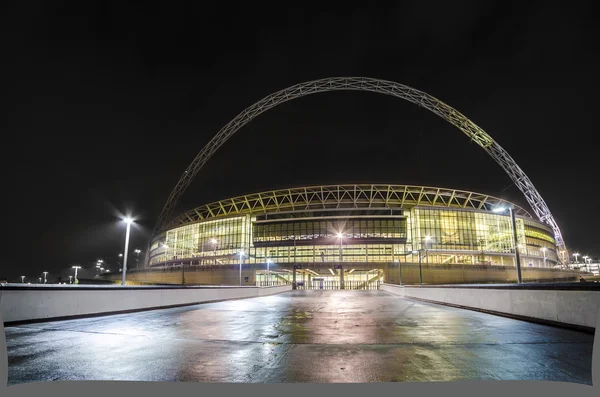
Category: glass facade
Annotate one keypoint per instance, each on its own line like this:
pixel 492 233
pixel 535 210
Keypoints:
pixel 445 235
pixel 323 230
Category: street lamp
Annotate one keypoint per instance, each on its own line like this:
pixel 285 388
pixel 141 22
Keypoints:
pixel 268 272
pixel 427 238
pixel 39 280
pixel 514 230
pixel 45 273
pixel 128 221
pixel 241 256
pixel 576 255
pixel 76 267
pixel 70 278
pixel 399 272
pixel 420 270
pixel 585 260
pixel 22 279
pixel 166 247
pixel 137 258
pixel 341 236
pixel 213 241
pixel 544 252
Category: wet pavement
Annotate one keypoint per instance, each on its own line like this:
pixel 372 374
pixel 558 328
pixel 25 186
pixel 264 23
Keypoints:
pixel 299 336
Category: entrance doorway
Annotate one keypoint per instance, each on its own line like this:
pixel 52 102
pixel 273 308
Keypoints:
pixel 356 280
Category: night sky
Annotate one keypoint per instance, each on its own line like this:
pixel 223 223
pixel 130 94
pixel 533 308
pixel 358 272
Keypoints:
pixel 106 105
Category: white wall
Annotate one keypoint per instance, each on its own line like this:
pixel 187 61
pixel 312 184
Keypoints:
pixel 19 304
pixel 563 306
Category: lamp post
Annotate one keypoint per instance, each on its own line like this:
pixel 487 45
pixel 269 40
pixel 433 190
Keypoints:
pixel 137 259
pixel 166 247
pixel 576 255
pixel 544 252
pixel 45 273
pixel 128 221
pixel 70 278
pixel 399 272
pixel 341 237
pixel 76 279
pixel 268 273
pixel 427 238
pixel 22 279
pixel 564 260
pixel 213 241
pixel 420 270
pixel 585 260
pixel 241 257
pixel 514 230
pixel 39 280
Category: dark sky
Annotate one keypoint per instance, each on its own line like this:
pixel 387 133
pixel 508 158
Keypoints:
pixel 107 104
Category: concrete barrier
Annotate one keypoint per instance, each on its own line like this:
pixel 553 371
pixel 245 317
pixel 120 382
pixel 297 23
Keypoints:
pixel 41 303
pixel 564 305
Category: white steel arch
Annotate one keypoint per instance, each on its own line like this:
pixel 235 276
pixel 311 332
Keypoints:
pixel 420 98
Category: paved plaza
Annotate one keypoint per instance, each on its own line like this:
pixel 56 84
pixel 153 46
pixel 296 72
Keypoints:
pixel 299 336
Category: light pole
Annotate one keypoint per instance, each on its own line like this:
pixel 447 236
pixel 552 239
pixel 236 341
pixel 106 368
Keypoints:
pixel 399 272
pixel 76 267
pixel 268 273
pixel 45 273
pixel 514 230
pixel 166 247
pixel 70 278
pixel 128 221
pixel 39 280
pixel 241 256
pixel 22 279
pixel 420 270
pixel 427 238
pixel 585 260
pixel 213 241
pixel 137 259
pixel 341 237
pixel 576 255
pixel 544 252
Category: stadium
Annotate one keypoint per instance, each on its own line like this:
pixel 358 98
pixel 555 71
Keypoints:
pixel 359 235
pixel 353 237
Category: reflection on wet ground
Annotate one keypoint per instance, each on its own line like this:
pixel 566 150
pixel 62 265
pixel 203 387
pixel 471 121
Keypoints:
pixel 299 336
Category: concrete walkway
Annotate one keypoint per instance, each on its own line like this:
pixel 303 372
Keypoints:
pixel 299 336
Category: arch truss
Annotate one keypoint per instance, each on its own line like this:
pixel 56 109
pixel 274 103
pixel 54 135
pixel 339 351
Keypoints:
pixel 420 98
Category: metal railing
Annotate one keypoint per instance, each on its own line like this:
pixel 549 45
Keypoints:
pixel 270 283
pixel 331 285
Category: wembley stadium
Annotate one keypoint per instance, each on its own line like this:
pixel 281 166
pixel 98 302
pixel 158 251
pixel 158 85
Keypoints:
pixel 356 236
pixel 352 236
